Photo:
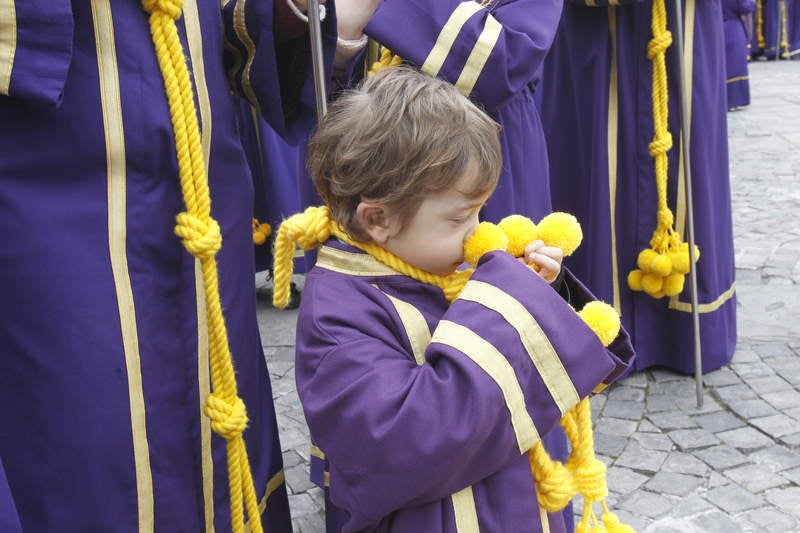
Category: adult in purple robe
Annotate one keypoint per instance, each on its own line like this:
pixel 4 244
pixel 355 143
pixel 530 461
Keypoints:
pixel 105 368
pixel 771 26
pixel 598 117
pixel 424 410
pixel 794 29
pixel 736 53
pixel 493 52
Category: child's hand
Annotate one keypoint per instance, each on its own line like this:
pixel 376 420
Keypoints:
pixel 547 258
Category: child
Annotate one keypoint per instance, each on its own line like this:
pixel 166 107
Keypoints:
pixel 423 408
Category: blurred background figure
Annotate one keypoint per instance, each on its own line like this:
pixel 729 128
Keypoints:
pixel 733 13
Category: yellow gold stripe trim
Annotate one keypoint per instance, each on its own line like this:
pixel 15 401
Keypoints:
pixel 195 40
pixel 117 235
pixel 317 452
pixel 444 43
pixel 464 510
pixel 352 263
pixel 272 485
pixel 326 478
pixel 499 369
pixel 540 350
pixel 709 307
pixel 417 331
pixel 612 147
pixel 8 42
pixel 479 55
pixel 544 519
pixel 737 78
pixel 240 27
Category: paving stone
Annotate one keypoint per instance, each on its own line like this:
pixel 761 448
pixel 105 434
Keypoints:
pixel 794 413
pixel 672 483
pixel 297 479
pixel 735 393
pixel 665 374
pixel 770 520
pixel 721 377
pixel 786 499
pixel 624 480
pixel 768 384
pixel 715 479
pixel 746 438
pixel 310 523
pixel 624 409
pixel 684 463
pixel 791 440
pixel 782 399
pixel 748 409
pixel 716 422
pixel 301 505
pixel 610 445
pixel 660 402
pixel 638 458
pixel 733 498
pixel 752 370
pixel 687 439
pixel 722 457
pixel 647 504
pixel 291 458
pixel 676 388
pixel 615 426
pixel 626 393
pixel 755 478
pixel 654 441
pixel 745 354
pixel 645 426
pixel 775 425
pixel 792 475
pixel 636 379
pixel 671 420
pixel 716 522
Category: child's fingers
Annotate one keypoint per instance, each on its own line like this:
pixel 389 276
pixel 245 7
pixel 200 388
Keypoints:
pixel 548 267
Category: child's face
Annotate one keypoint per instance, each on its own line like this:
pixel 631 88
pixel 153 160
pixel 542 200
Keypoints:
pixel 433 239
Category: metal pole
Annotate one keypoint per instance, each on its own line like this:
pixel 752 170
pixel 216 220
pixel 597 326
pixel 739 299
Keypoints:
pixel 685 128
pixel 317 62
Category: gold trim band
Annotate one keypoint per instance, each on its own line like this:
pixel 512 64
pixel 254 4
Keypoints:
pixel 491 361
pixel 479 55
pixel 737 78
pixel 8 42
pixel 465 512
pixel 709 307
pixel 354 264
pixel 447 36
pixel 415 326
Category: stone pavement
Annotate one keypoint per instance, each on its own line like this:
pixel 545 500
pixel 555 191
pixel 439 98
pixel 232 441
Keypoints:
pixel 733 465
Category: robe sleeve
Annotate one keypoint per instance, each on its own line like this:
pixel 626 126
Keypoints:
pixel 490 53
pixel 508 357
pixel 9 521
pixel 35 49
pixel 271 68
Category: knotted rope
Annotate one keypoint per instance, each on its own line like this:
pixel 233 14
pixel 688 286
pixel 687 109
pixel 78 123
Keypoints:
pixel 202 238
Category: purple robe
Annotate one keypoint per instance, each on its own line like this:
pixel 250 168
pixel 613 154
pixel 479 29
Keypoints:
pixel 424 410
pixel 9 521
pixel 775 17
pixel 736 52
pixel 794 29
pixel 104 369
pixel 495 56
pixel 597 113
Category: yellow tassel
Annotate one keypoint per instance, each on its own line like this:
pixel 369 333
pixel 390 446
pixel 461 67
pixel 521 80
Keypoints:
pixel 387 59
pixel 561 230
pixel 635 279
pixel 520 231
pixel 486 238
pixel 602 319
pixel 260 232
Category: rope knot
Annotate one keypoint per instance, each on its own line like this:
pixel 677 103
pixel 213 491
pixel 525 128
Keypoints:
pixel 228 419
pixel 201 236
pixel 658 44
pixel 661 144
pixel 590 478
pixel 170 7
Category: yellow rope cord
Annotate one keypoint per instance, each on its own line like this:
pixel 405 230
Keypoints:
pixel 556 483
pixel 762 43
pixel 663 266
pixel 202 238
pixel 387 59
pixel 784 46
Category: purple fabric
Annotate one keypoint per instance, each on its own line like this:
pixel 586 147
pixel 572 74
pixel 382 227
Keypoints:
pixel 504 88
pixel 576 123
pixel 401 438
pixel 9 521
pixel 43 50
pixel 794 29
pixel 66 440
pixel 771 30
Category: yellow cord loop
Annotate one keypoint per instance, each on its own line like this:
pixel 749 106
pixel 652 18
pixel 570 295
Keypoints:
pixel 662 267
pixel 314 226
pixel 202 238
pixel 387 59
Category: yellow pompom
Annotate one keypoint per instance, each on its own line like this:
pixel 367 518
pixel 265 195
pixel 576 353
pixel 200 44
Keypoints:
pixel 265 228
pixel 259 238
pixel 520 231
pixel 685 248
pixel 680 262
pixel 602 319
pixel 673 284
pixel 661 265
pixel 487 237
pixel 635 279
pixel 645 259
pixel 561 230
pixel 613 524
pixel 652 283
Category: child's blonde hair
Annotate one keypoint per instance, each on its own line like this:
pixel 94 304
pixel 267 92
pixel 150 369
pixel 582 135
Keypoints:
pixel 397 138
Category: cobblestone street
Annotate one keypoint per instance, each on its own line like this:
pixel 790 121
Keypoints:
pixel 733 465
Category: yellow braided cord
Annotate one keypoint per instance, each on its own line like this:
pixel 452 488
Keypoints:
pixel 784 46
pixel 387 59
pixel 762 43
pixel 314 226
pixel 663 266
pixel 202 238
pixel 555 484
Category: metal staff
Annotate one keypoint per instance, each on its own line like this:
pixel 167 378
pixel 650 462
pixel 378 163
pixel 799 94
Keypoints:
pixel 317 63
pixel 685 128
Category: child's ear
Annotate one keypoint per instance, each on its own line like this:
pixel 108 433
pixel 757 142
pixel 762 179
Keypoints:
pixel 376 220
